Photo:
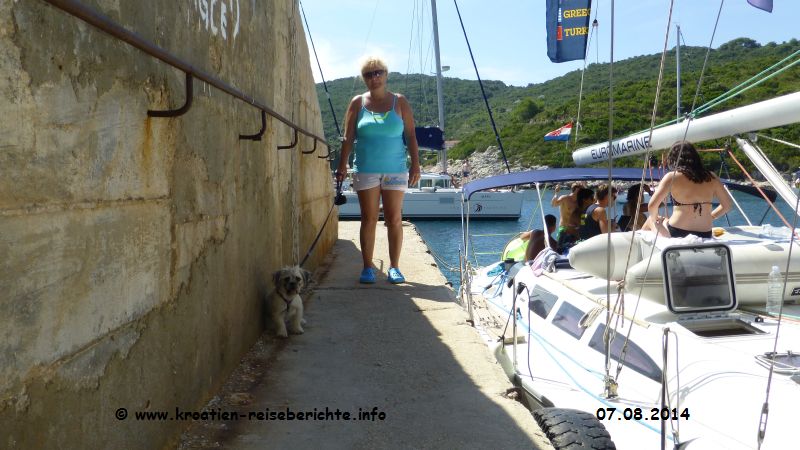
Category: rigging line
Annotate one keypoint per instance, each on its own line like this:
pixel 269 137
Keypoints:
pixel 731 95
pixel 418 14
pixel 364 47
pixel 485 100
pixel 426 66
pixel 646 158
pixel 608 385
pixel 762 426
pixel 410 46
pixel 324 84
pixel 583 72
pixel 755 79
pixel 416 24
pixel 750 178
pixel 705 64
pixel 724 166
pixel 597 44
pixel 692 109
pixel 660 79
pixel 778 140
pixel 424 58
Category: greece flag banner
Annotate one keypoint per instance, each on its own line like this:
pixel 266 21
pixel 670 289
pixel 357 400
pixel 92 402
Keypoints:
pixel 567 29
pixel 561 134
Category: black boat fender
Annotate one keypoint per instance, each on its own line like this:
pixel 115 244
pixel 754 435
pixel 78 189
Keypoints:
pixel 570 429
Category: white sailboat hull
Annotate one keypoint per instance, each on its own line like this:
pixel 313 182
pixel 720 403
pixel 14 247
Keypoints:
pixel 445 204
pixel 717 381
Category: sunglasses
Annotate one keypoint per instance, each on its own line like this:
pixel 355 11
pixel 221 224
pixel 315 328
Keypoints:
pixel 374 73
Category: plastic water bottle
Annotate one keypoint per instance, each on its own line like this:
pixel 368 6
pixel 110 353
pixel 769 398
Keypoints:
pixel 766 230
pixel 774 291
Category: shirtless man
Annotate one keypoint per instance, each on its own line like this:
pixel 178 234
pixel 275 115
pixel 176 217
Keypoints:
pixel 567 205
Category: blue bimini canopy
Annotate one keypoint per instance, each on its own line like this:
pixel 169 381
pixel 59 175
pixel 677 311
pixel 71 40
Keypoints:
pixel 585 174
pixel 556 176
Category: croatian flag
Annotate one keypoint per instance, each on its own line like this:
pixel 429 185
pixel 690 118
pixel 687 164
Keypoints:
pixel 766 5
pixel 561 134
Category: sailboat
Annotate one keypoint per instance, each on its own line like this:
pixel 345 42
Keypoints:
pixel 633 341
pixel 435 196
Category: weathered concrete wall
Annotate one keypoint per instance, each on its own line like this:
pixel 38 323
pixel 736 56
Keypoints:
pixel 135 252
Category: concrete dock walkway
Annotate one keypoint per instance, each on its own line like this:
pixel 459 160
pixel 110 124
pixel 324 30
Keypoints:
pixel 404 353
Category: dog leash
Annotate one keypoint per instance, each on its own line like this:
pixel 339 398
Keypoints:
pixel 338 200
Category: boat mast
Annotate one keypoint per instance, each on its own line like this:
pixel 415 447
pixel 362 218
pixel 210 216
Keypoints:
pixel 678 68
pixel 439 97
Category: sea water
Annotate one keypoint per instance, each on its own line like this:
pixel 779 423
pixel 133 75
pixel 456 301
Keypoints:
pixel 488 237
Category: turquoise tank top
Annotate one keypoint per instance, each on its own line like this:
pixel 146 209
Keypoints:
pixel 379 142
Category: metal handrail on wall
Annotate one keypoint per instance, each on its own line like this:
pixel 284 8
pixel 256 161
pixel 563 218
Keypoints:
pixel 107 25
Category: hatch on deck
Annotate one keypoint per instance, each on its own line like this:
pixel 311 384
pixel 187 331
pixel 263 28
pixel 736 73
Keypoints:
pixel 698 278
pixel 699 286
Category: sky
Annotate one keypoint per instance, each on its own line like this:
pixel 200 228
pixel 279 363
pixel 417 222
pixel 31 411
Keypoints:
pixel 508 37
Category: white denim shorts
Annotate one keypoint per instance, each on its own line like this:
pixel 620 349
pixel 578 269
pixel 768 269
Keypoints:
pixel 387 181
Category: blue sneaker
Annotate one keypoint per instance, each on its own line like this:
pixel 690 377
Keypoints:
pixel 367 276
pixel 395 277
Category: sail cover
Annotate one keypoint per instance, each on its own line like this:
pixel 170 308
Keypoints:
pixel 567 29
pixel 429 138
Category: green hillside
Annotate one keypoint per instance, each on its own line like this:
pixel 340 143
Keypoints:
pixel 525 114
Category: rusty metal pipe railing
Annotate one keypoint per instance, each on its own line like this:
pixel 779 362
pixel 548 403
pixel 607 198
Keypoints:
pixel 257 136
pixel 310 151
pixel 106 25
pixel 294 142
pixel 183 109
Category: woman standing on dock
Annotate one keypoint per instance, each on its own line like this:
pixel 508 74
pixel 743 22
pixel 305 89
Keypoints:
pixel 376 122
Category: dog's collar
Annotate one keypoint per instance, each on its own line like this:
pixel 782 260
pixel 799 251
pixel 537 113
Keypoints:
pixel 285 300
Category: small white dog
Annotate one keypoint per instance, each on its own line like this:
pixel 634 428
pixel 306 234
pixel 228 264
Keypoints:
pixel 285 302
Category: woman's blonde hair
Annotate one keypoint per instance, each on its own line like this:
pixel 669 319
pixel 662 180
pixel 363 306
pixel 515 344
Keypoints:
pixel 372 63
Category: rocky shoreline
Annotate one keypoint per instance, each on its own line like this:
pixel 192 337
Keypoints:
pixel 489 163
pixel 482 164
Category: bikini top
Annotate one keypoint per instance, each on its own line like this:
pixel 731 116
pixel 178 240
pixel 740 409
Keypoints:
pixel 697 207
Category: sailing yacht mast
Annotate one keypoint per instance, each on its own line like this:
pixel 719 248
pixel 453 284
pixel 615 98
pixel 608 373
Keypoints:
pixel 439 97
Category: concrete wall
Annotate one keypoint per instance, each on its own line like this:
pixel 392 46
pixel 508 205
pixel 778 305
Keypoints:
pixel 135 251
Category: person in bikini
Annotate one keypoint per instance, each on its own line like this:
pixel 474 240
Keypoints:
pixel 692 188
